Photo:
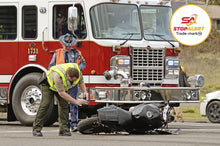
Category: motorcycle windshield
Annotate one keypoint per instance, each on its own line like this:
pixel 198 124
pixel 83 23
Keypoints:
pixel 156 22
pixel 115 21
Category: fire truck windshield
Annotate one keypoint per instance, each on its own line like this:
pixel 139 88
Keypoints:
pixel 115 21
pixel 118 21
pixel 156 22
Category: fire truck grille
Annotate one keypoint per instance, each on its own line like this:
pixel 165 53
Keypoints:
pixel 147 65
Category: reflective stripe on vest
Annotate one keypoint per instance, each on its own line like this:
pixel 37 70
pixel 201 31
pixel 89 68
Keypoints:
pixel 59 56
pixel 61 70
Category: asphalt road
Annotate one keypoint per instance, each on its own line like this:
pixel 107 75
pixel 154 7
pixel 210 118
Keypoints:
pixel 192 134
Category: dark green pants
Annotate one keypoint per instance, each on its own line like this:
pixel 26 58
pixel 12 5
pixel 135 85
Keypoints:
pixel 47 98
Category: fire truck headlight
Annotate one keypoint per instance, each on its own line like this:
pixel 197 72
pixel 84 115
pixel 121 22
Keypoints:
pixel 173 63
pixel 197 80
pixel 123 62
pixel 170 62
pixel 172 67
pixel 120 63
pixel 176 72
pixel 170 73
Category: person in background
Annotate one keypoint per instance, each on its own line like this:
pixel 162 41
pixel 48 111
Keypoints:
pixel 67 54
pixel 57 81
pixel 182 83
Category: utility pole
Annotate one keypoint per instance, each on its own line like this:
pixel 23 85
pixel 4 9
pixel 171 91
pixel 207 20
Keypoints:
pixel 206 5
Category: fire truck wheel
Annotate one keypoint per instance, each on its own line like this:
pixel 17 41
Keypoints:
pixel 26 100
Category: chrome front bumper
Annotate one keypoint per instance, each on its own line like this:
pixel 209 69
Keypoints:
pixel 129 95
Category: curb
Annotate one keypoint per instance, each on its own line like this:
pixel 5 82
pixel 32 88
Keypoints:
pixel 3 116
pixel 196 120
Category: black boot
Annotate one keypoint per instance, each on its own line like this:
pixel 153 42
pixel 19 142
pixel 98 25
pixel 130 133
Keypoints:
pixel 37 133
pixel 65 133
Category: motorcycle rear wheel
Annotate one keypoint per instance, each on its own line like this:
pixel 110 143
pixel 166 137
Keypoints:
pixel 90 126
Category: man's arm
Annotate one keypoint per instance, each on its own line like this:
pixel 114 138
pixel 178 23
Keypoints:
pixel 83 88
pixel 61 90
pixel 68 98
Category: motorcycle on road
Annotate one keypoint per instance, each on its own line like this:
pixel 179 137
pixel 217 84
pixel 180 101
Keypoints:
pixel 139 119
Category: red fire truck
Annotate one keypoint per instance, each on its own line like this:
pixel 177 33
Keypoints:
pixel 131 56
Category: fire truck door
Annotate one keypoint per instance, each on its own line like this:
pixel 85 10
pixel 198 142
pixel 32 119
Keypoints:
pixel 8 40
pixel 33 34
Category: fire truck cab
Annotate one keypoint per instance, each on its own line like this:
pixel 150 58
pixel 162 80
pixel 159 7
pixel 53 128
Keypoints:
pixel 131 56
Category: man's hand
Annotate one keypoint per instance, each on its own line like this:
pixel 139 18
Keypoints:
pixel 79 102
pixel 85 95
pixel 68 98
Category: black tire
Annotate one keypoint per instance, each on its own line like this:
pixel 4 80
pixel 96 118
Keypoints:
pixel 26 100
pixel 89 126
pixel 213 111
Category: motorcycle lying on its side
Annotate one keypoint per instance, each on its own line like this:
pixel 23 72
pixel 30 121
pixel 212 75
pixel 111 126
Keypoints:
pixel 140 119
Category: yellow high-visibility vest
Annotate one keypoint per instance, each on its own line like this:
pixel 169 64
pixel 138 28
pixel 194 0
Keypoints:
pixel 61 70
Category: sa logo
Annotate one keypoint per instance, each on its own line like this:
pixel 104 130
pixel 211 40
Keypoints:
pixel 189 20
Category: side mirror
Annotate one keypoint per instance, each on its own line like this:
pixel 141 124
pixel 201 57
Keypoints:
pixel 72 18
